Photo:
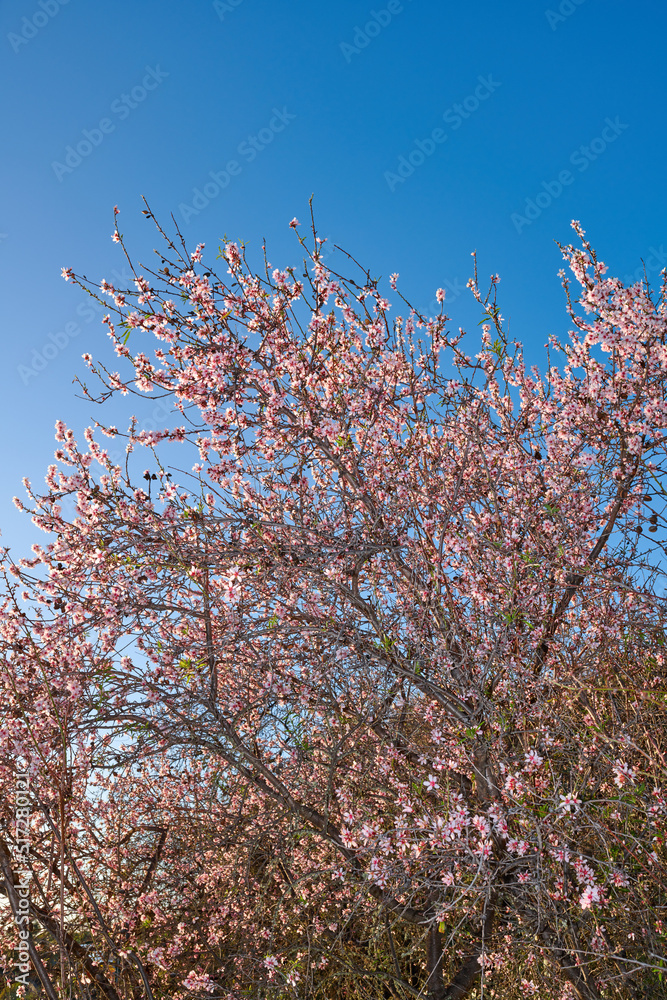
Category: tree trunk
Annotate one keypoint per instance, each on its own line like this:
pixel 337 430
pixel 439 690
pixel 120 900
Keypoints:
pixel 435 985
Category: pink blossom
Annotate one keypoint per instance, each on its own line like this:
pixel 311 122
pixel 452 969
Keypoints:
pixel 591 894
pixel 533 760
pixel 199 981
pixel 481 824
pixel 364 587
pixel 623 774
pixel 569 802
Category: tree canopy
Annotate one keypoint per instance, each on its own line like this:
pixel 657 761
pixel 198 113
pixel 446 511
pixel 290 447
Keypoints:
pixel 368 701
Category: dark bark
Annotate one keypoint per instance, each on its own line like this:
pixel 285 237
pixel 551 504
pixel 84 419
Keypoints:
pixel 435 984
pixel 464 980
pixel 471 970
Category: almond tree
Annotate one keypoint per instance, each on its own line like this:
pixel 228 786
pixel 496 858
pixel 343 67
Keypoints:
pixel 391 649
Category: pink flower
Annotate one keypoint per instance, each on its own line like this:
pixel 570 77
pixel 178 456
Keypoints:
pixel 199 981
pixel 431 782
pixel 591 894
pixel 294 223
pixel 481 825
pixel 569 802
pixel 440 295
pixel 623 774
pixel 584 871
pixel 533 760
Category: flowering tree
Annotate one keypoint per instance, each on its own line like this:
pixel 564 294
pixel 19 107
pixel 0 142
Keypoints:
pixel 370 700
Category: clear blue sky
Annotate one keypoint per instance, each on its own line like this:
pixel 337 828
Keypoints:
pixel 482 106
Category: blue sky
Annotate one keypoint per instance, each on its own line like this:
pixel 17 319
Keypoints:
pixel 424 130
